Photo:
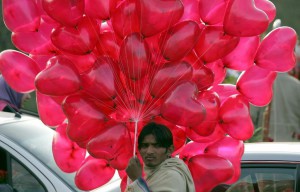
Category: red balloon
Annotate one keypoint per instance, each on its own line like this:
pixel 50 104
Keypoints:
pixel 214 44
pixel 158 15
pixel 230 149
pixel 224 91
pixel 182 107
pixel 169 76
pixel 191 10
pixel 66 12
pixel 83 63
pixel 218 69
pixel 67 155
pixel 20 16
pixel 99 81
pixel 192 149
pixel 209 171
pixel 242 57
pixel 18 70
pixel 80 39
pixel 83 126
pixel 100 9
pixel 244 19
pixel 217 134
pixel 134 56
pixel 125 19
pixel 50 112
pixel 179 40
pixel 42 60
pixel 212 11
pixel 276 51
pixel 93 174
pixel 256 85
pixel 110 142
pixel 109 45
pixel 59 78
pixel 268 7
pixel 210 101
pixel 235 118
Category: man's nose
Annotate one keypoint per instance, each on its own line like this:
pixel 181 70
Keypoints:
pixel 150 149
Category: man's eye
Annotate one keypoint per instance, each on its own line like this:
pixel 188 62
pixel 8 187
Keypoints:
pixel 157 145
pixel 143 146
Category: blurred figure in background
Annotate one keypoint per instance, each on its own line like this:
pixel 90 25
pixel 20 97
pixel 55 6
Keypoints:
pixel 10 99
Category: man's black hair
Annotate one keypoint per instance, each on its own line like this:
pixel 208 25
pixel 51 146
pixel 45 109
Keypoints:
pixel 162 134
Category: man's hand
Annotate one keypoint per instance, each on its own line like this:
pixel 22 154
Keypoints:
pixel 134 169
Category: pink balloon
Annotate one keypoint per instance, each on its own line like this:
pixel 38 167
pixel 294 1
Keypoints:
pixel 219 70
pixel 66 12
pixel 191 10
pixel 20 15
pixel 235 118
pixel 125 19
pixel 18 70
pixel 224 91
pixel 83 63
pixel 256 85
pixel 109 45
pixel 41 60
pixel 179 40
pixel 268 7
pixel 93 174
pixel 217 134
pixel 99 81
pixel 244 19
pixel 242 57
pixel 100 9
pixel 67 154
pixel 156 16
pixel 211 103
pixel 50 112
pixel 214 44
pixel 59 78
pixel 109 143
pixel 75 107
pixel 209 170
pixel 168 77
pixel 276 51
pixel 80 39
pixel 230 149
pixel 212 11
pixel 182 107
pixel 134 56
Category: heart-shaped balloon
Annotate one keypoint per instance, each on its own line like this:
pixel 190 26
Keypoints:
pixel 276 51
pixel 42 60
pixel 83 126
pixel 217 134
pixel 69 14
pixel 67 154
pixel 179 40
pixel 50 112
pixel 17 67
pixel 166 78
pixel 211 103
pixel 219 70
pixel 244 19
pixel 109 142
pixel 235 118
pixel 230 149
pixel 20 16
pixel 224 91
pixel 158 15
pixel 125 19
pixel 202 75
pixel 80 39
pixel 268 7
pixel 213 44
pixel 99 9
pixel 93 173
pixel 191 10
pixel 83 63
pixel 242 57
pixel 59 78
pixel 192 149
pixel 182 107
pixel 99 81
pixel 209 170
pixel 109 45
pixel 134 56
pixel 212 11
pixel 256 85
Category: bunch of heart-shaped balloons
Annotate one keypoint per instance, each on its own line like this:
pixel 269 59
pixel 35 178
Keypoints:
pixel 104 68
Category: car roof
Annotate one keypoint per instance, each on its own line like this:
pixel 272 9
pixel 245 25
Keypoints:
pixel 7 117
pixel 272 151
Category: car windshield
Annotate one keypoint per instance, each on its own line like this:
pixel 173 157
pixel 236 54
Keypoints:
pixel 36 138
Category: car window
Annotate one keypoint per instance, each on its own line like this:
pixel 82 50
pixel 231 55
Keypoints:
pixel 265 179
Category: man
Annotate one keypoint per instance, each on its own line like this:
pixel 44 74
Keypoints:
pixel 10 97
pixel 163 173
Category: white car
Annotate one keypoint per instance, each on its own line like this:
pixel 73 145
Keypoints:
pixel 25 155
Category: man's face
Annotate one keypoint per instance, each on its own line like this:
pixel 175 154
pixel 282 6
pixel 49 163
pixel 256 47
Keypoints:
pixel 152 153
